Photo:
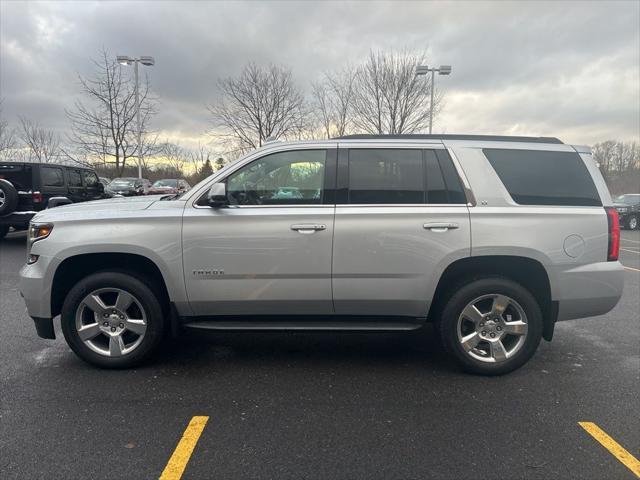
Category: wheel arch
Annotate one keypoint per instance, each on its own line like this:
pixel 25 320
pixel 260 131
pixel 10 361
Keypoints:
pixel 74 268
pixel 528 272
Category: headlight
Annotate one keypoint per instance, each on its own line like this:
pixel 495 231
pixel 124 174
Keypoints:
pixel 37 231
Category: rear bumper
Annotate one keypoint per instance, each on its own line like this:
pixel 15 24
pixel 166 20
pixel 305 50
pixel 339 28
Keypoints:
pixel 17 219
pixel 588 290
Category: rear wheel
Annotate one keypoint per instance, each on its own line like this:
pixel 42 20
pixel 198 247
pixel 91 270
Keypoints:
pixel 491 326
pixel 632 222
pixel 112 320
pixel 4 229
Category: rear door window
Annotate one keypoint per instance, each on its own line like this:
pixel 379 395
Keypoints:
pixel 386 176
pixel 52 177
pixel 75 180
pixel 535 177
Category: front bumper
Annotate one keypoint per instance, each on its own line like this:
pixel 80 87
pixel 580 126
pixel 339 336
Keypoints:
pixel 35 288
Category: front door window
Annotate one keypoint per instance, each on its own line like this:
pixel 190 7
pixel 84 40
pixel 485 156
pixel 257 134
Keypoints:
pixel 285 178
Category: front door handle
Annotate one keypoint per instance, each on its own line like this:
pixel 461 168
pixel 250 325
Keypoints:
pixel 307 228
pixel 440 226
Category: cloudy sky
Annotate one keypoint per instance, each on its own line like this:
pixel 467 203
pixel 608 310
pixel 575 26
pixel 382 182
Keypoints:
pixel 566 69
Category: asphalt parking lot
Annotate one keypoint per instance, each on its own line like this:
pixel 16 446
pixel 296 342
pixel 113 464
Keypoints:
pixel 318 406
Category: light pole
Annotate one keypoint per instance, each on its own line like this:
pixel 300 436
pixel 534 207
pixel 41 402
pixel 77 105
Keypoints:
pixel 423 70
pixel 149 62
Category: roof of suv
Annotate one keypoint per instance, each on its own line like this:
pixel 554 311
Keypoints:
pixel 485 138
pixel 45 164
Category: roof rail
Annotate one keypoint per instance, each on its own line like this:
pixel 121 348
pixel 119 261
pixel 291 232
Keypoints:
pixel 486 138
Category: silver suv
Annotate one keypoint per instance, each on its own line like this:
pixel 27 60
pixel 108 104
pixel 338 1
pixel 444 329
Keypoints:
pixel 492 239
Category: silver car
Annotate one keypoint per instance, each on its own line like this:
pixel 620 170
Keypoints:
pixel 493 239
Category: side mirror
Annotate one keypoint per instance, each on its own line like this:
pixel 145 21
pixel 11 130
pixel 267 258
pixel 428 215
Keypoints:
pixel 217 196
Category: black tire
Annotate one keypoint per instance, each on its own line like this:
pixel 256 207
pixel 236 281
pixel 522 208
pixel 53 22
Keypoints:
pixel 466 293
pixel 632 222
pixel 148 300
pixel 4 229
pixel 8 197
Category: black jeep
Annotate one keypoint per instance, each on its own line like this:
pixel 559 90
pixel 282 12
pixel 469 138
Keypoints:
pixel 26 188
pixel 628 207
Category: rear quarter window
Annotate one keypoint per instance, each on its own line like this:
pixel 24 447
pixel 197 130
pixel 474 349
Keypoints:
pixel 535 177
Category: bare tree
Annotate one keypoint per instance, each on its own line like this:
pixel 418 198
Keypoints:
pixel 388 98
pixel 43 145
pixel 616 157
pixel 262 102
pixel 7 140
pixel 332 102
pixel 199 157
pixel 175 155
pixel 105 127
pixel 7 137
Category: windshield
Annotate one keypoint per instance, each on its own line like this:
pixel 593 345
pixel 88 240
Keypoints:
pixel 166 183
pixel 123 182
pixel 628 199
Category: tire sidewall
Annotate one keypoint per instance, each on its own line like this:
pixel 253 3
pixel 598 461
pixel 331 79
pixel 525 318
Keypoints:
pixel 631 218
pixel 11 197
pixel 474 289
pixel 130 284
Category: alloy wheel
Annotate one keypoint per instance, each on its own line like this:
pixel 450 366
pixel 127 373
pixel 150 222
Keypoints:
pixel 492 328
pixel 111 322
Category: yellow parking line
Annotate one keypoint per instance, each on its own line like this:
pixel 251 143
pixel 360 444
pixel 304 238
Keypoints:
pixel 632 269
pixel 182 453
pixel 628 460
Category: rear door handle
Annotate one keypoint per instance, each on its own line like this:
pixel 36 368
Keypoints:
pixel 307 228
pixel 440 226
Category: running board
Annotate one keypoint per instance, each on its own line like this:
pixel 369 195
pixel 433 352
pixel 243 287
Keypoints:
pixel 367 326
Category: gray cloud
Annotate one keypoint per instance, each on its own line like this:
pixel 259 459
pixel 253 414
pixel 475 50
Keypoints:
pixel 569 69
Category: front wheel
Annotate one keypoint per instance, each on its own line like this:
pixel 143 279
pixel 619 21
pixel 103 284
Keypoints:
pixel 491 326
pixel 112 320
pixel 632 223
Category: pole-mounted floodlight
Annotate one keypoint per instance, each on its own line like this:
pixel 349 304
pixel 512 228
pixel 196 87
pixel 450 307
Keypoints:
pixel 423 70
pixel 124 60
pixel 149 62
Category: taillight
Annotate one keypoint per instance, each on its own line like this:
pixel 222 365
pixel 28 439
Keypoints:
pixel 614 234
pixel 37 197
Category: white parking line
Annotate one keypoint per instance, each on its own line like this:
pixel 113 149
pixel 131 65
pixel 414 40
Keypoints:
pixel 627 240
pixel 628 250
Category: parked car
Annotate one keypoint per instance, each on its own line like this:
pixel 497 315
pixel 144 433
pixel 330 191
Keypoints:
pixel 493 239
pixel 129 186
pixel 169 186
pixel 104 181
pixel 628 207
pixel 27 188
